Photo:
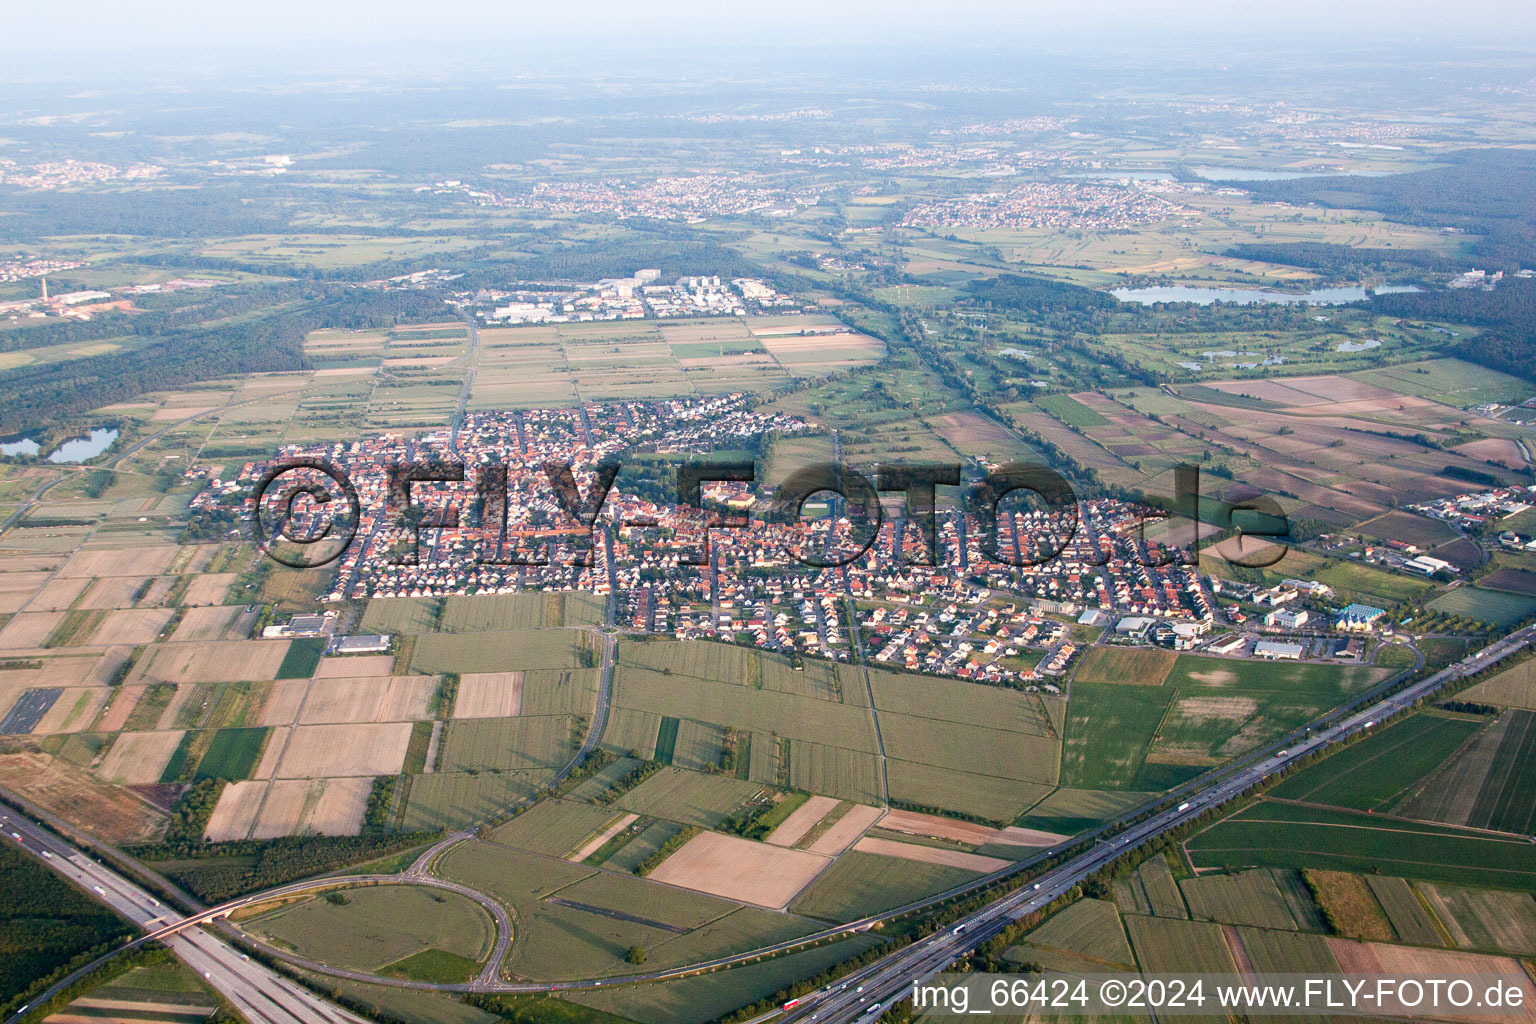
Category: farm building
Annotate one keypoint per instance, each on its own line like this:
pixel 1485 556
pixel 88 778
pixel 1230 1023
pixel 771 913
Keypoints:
pixel 1277 651
pixel 363 643
pixel 302 625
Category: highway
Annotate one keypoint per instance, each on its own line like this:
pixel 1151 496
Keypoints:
pixel 891 978
pixel 879 983
pixel 260 995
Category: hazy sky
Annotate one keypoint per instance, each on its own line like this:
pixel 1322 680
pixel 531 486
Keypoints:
pixel 150 29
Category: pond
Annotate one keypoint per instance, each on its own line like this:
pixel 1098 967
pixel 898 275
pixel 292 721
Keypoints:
pixel 1259 174
pixel 1204 296
pixel 76 449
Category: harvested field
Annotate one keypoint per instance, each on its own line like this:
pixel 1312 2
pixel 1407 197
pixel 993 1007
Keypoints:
pixel 74 711
pixel 1513 688
pixel 104 811
pixel 18 587
pixel 27 630
pixel 235 812
pixel 283 700
pixel 1442 963
pixel 970 833
pixel 149 560
pixel 55 595
pixel 316 751
pixel 208 589
pixel 131 626
pixel 212 623
pixel 390 699
pixel 801 820
pixel 355 667
pixel 930 855
pixel 739 869
pixel 139 758
pixel 846 830
pixel 212 662
pixel 328 807
pixel 1516 581
pixel 489 695
pixel 116 713
pixel 115 592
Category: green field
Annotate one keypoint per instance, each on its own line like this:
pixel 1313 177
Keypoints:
pixel 232 755
pixel 1371 773
pixel 555 827
pixel 1248 897
pixel 689 798
pixel 302 657
pixel 400 615
pixel 1148 738
pixel 1069 811
pixel 434 965
pixel 1088 928
pixel 1109 728
pixel 565 930
pixel 504 651
pixel 1270 834
pixel 860 884
pixel 1366 585
pixel 1451 381
pixel 1166 944
pixel 534 610
pixel 1414 922
pixel 1070 411
pixel 381 925
pixel 1135 665
pixel 506 744
pixel 1497 607
pixel 455 799
pixel 708 997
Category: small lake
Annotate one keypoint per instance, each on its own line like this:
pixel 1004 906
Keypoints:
pixel 1259 174
pixel 1239 296
pixel 76 449
pixel 26 446
pixel 1358 346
